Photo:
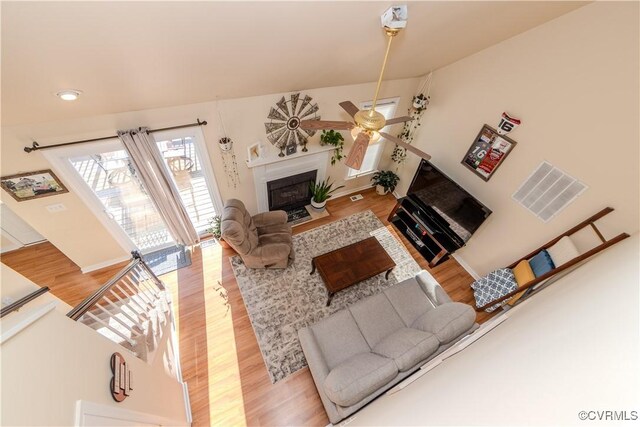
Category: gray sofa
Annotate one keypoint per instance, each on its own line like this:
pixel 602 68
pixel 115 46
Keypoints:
pixel 359 352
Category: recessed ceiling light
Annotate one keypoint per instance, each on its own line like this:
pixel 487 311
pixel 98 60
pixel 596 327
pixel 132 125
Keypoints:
pixel 69 94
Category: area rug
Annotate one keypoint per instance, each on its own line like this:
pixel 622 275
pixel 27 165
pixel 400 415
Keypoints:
pixel 280 302
pixel 168 259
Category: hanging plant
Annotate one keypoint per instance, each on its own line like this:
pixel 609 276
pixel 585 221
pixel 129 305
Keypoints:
pixel 331 137
pixel 418 107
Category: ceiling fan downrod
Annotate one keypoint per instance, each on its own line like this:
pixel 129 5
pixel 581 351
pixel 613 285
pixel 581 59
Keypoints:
pixel 370 120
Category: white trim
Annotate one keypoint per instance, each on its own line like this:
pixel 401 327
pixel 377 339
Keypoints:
pixel 318 160
pixel 84 408
pixel 187 401
pixel 58 157
pixel 271 156
pixel 103 264
pixel 205 160
pixel 28 318
pixel 15 244
pixel 350 191
pixel 466 266
pixel 360 175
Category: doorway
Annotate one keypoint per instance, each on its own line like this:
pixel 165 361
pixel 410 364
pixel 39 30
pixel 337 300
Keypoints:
pixel 102 175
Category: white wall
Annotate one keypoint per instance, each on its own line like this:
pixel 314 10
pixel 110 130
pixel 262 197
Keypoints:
pixel 56 361
pixel 76 230
pixel 574 83
pixel 573 347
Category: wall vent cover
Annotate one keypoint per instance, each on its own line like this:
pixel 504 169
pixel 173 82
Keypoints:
pixel 547 191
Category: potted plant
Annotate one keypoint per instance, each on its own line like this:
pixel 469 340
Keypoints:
pixel 214 229
pixel 385 181
pixel 331 137
pixel 320 192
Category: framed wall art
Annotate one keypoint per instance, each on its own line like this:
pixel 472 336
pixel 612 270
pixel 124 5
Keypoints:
pixel 487 152
pixel 33 185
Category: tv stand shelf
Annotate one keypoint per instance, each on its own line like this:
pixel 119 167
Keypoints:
pixel 422 232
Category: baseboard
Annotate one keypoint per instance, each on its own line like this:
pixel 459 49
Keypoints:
pixel 109 263
pixel 350 191
pixel 466 266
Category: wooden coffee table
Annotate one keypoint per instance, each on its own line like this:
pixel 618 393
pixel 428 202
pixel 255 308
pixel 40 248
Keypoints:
pixel 352 264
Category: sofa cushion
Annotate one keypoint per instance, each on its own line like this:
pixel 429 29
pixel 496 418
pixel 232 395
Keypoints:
pixel 407 347
pixel 432 288
pixel 563 251
pixel 447 321
pixel 409 300
pixel 358 377
pixel 266 239
pixel 376 318
pixel 339 338
pixel 494 285
pixel 541 263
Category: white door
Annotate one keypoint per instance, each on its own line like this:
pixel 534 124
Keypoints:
pixel 16 232
pixel 101 175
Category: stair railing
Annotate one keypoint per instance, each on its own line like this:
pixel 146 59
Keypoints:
pixel 124 304
pixel 22 301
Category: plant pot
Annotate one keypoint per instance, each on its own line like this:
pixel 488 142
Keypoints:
pixel 381 190
pixel 319 206
pixel 223 243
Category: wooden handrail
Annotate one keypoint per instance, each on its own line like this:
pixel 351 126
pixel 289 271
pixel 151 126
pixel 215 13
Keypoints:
pixel 569 232
pixel 92 299
pixel 88 302
pixel 556 270
pixel 22 301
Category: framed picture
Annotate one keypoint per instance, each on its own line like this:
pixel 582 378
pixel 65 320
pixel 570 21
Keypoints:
pixel 487 152
pixel 33 185
pixel 254 151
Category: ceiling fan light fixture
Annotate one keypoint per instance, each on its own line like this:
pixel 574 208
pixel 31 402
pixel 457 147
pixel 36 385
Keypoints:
pixel 375 137
pixel 370 120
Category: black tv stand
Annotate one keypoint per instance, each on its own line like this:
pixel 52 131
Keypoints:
pixel 430 238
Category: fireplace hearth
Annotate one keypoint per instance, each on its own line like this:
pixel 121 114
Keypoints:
pixel 291 193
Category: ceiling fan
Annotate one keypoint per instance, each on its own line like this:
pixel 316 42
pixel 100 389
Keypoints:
pixel 366 124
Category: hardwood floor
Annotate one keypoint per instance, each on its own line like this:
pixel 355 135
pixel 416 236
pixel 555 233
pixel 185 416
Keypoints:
pixel 221 361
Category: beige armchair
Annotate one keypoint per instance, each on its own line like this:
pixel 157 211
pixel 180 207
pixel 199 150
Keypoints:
pixel 262 240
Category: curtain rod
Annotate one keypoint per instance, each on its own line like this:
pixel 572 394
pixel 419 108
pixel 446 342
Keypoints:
pixel 37 146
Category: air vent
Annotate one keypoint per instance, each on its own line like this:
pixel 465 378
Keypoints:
pixel 547 191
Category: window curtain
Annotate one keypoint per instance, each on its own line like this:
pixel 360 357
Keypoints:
pixel 149 165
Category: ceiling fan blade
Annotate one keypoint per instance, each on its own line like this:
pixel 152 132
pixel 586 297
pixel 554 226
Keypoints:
pixel 399 120
pixel 403 144
pixel 358 150
pixel 349 107
pixel 325 124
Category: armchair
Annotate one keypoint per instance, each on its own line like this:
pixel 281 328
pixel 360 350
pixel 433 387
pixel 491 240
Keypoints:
pixel 262 240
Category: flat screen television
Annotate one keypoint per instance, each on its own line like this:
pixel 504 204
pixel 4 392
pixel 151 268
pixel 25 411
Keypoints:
pixel 446 202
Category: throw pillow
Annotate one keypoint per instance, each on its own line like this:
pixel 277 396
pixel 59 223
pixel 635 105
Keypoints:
pixel 523 274
pixel 563 251
pixel 541 263
pixel 493 286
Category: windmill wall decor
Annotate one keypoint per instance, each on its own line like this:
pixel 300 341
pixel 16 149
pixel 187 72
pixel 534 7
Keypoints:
pixel 283 129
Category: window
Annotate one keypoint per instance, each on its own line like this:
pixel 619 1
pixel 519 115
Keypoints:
pixel 386 107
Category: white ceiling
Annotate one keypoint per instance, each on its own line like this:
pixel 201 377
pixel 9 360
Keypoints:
pixel 139 55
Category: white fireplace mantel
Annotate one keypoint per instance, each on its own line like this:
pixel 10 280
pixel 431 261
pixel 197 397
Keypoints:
pixel 273 167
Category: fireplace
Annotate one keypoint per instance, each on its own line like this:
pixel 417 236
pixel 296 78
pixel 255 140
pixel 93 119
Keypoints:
pixel 271 167
pixel 290 193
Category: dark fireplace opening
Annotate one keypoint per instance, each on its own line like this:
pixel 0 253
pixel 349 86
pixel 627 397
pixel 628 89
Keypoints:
pixel 292 193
